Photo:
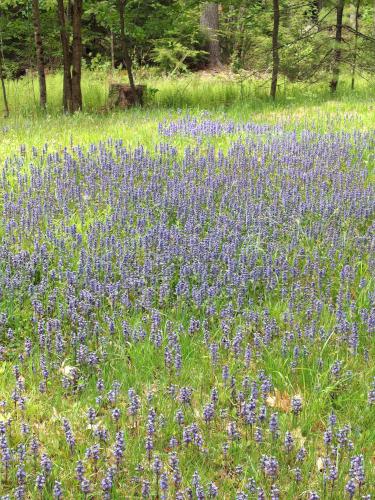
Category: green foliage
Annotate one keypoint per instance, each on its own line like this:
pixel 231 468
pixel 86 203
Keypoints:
pixel 166 35
pixel 99 63
pixel 172 57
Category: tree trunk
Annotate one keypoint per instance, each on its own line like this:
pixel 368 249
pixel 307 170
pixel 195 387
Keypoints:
pixel 356 23
pixel 39 54
pixel 67 85
pixel 124 49
pixel 76 56
pixel 122 95
pixel 275 48
pixel 210 27
pixel 337 51
pixel 6 107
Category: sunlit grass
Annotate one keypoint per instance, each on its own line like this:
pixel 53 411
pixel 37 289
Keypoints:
pixel 298 105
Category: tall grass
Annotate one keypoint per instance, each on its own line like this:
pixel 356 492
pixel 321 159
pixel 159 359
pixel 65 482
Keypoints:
pixel 190 91
pixel 221 95
pixel 23 94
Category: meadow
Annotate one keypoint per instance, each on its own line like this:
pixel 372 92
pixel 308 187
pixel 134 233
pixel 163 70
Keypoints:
pixel 188 294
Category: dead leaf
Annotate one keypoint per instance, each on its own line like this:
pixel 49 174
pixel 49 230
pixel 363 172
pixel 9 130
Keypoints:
pixel 271 401
pixel 279 400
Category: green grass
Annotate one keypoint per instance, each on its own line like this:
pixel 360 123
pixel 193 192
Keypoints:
pixel 298 105
pixel 141 365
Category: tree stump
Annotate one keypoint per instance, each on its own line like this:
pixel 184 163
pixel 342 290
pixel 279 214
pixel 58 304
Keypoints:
pixel 122 96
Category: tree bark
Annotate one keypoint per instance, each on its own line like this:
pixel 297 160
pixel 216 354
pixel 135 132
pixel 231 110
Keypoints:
pixel 67 83
pixel 39 54
pixel 356 26
pixel 337 51
pixel 6 107
pixel 275 48
pixel 124 49
pixel 210 27
pixel 76 56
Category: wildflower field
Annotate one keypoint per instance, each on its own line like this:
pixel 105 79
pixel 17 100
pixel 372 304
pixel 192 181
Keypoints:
pixel 191 316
